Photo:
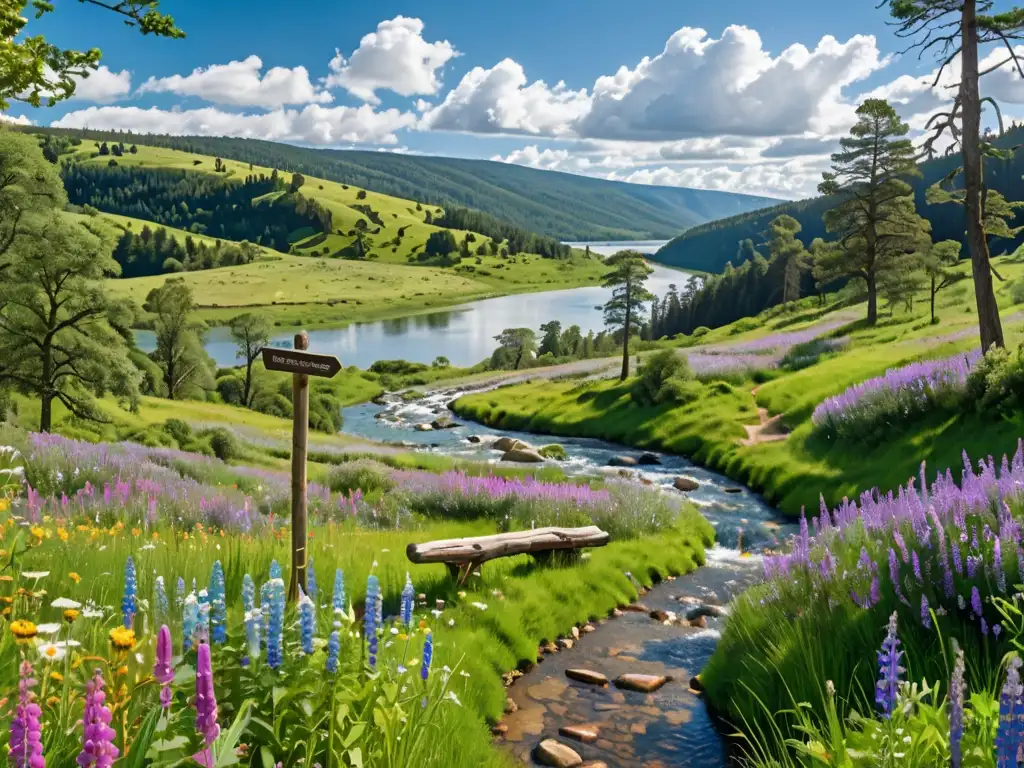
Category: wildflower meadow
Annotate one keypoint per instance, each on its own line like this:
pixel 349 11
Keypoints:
pixel 144 619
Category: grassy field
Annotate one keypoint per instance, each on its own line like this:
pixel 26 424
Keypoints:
pixel 793 472
pixel 313 288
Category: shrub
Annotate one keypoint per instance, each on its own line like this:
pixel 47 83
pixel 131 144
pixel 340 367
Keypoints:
pixel 273 404
pixel 179 430
pixel 231 389
pixel 809 353
pixel 362 475
pixel 553 451
pixel 655 374
pixel 397 367
pixel 1017 291
pixel 222 442
pixel 996 384
pixel 702 330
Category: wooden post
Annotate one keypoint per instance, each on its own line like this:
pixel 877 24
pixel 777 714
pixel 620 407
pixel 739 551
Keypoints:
pixel 300 435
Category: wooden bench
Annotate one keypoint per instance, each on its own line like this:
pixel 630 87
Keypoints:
pixel 463 556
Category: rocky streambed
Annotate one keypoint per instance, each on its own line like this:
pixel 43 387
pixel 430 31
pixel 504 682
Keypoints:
pixel 574 707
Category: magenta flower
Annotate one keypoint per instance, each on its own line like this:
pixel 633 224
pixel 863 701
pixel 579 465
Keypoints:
pixel 163 670
pixel 206 701
pixel 26 745
pixel 98 750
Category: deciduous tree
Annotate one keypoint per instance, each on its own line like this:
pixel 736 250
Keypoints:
pixel 938 263
pixel 875 220
pixel 61 337
pixel 179 349
pixel 551 341
pixel 251 334
pixel 519 342
pixel 624 312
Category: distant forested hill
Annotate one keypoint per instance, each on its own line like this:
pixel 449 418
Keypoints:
pixel 709 246
pixel 561 205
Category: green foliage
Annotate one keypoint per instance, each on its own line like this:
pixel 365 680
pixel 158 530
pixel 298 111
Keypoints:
pixel 223 443
pixel 995 386
pixel 515 346
pixel 624 311
pixel 364 475
pixel 179 350
pixel 1017 291
pixel 225 208
pixel 440 243
pixel 179 430
pixel 251 333
pixel 700 331
pixel 154 252
pixel 553 451
pixel 231 390
pixel 519 240
pixel 660 378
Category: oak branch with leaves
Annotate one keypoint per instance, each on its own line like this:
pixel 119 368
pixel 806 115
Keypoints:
pixel 34 71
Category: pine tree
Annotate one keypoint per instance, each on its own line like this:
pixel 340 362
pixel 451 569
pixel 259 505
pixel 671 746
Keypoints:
pixel 875 219
pixel 624 311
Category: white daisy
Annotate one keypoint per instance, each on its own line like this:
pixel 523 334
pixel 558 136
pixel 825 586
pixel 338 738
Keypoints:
pixel 64 602
pixel 48 629
pixel 34 575
pixel 51 651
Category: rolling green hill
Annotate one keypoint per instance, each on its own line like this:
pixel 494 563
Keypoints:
pixel 562 205
pixel 709 246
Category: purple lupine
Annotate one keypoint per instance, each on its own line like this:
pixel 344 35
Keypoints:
pixel 926 618
pixel 976 601
pixel 956 711
pixel 98 748
pixel 997 563
pixel 916 563
pixel 163 669
pixel 1010 734
pixel 889 670
pixel 26 745
pixel 206 701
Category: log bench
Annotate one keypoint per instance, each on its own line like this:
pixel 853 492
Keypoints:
pixel 463 556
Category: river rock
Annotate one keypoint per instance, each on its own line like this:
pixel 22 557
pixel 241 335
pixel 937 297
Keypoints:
pixel 473 439
pixel 424 428
pixel 586 733
pixel 575 632
pixel 523 456
pixel 586 676
pixel 508 443
pixel 648 459
pixel 555 754
pixel 696 684
pixel 659 615
pixel 733 489
pixel 641 683
pixel 594 764
pixel 444 423
pixel 565 643
pixel 499 730
pixel 703 610
pixel 701 622
pixel 685 484
pixel 587 629
pixel 510 706
pixel 637 608
pixel 622 461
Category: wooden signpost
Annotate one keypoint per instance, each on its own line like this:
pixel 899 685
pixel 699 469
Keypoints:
pixel 301 364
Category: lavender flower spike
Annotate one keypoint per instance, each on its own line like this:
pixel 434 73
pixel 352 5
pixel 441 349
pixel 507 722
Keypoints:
pixel 98 749
pixel 889 670
pixel 26 746
pixel 956 711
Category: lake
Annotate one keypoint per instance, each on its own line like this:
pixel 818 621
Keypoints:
pixel 463 334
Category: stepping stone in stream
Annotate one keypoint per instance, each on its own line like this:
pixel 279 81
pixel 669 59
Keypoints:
pixel 585 733
pixel 586 676
pixel 556 754
pixel 641 683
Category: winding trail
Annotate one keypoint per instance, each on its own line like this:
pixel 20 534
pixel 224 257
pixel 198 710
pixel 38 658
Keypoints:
pixel 769 429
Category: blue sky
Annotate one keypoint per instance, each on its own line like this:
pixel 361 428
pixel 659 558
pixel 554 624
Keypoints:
pixel 741 95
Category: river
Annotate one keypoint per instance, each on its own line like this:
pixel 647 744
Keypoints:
pixel 464 334
pixel 671 726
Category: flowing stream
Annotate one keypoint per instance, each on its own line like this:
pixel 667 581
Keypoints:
pixel 671 726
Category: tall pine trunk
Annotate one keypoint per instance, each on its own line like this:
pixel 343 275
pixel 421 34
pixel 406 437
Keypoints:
pixel 625 334
pixel 970 100
pixel 872 299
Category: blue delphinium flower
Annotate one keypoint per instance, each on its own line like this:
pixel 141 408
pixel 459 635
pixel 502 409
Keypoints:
pixel 306 622
pixel 408 595
pixel 190 621
pixel 1010 736
pixel 889 670
pixel 311 587
pixel 338 601
pixel 275 620
pixel 253 618
pixel 248 593
pixel 218 604
pixel 956 711
pixel 204 615
pixel 333 646
pixel 428 655
pixel 162 604
pixel 370 617
pixel 275 569
pixel 179 597
pixel 129 604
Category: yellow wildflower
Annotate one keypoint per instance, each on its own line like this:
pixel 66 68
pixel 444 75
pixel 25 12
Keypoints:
pixel 156 535
pixel 136 531
pixel 74 577
pixel 37 531
pixel 70 615
pixel 5 504
pixel 23 629
pixel 122 670
pixel 62 534
pixel 53 701
pixel 122 639
pixel 57 676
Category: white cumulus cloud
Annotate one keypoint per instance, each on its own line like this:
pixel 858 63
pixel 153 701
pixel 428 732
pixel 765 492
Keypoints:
pixel 314 124
pixel 791 180
pixel 499 100
pixel 396 57
pixel 242 84
pixel 103 85
pixel 14 120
